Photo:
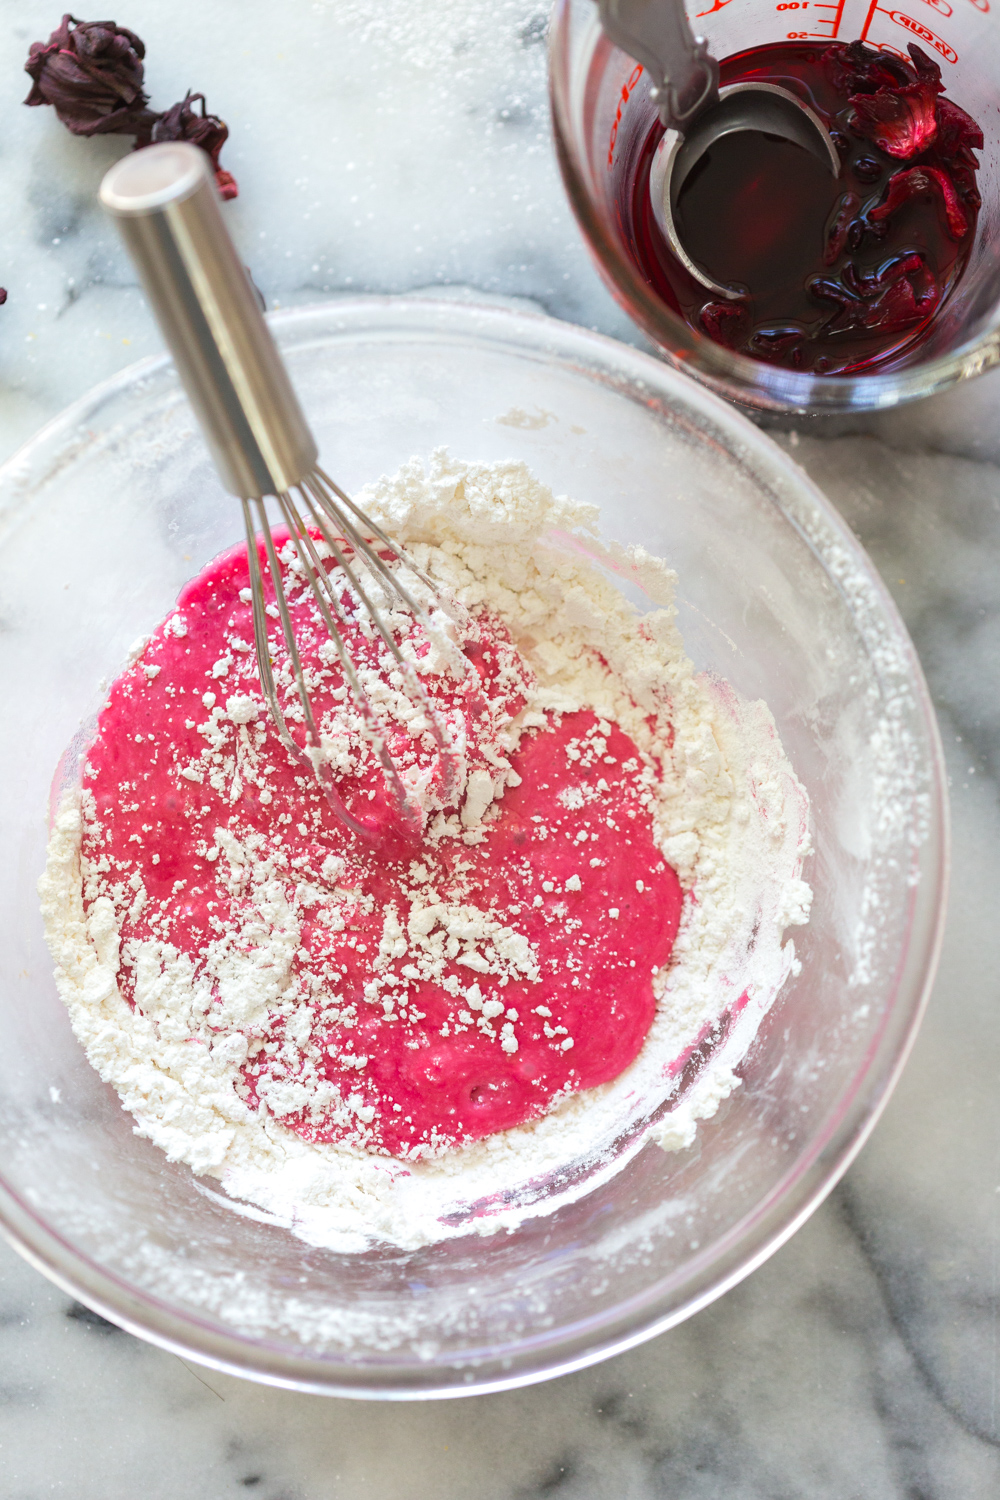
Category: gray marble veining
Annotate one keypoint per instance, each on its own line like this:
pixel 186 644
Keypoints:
pixel 388 146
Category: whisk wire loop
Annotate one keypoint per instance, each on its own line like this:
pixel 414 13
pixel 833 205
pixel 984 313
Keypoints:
pixel 324 596
pixel 449 607
pixel 258 601
pixel 317 481
pixel 321 517
pixel 263 650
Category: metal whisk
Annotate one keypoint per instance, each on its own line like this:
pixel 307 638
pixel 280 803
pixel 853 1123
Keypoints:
pixel 167 208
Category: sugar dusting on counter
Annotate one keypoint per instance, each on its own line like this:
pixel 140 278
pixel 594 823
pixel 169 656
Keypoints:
pixel 727 814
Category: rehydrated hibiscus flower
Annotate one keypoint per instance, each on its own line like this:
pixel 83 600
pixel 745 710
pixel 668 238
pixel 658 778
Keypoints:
pixel 958 138
pixel 727 323
pixel 957 131
pixel 838 226
pixel 855 68
pixel 901 292
pixel 207 131
pixel 780 344
pixel 901 117
pixel 902 122
pixel 91 72
pixel 918 182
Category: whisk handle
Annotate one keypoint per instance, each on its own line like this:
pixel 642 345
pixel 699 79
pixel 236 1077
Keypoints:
pixel 168 211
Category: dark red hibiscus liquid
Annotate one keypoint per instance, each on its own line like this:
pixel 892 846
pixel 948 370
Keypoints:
pixel 837 275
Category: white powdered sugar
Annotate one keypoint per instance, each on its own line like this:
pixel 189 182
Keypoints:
pixel 729 816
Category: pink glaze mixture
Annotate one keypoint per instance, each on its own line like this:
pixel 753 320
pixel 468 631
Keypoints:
pixel 452 987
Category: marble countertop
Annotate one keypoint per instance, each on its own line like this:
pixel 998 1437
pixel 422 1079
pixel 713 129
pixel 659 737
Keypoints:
pixel 393 145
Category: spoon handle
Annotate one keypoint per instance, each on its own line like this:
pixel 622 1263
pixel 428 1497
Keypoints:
pixel 657 33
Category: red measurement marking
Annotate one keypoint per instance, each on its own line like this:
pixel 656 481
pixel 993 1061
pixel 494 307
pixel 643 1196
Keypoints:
pixel 873 7
pixel 718 5
pixel 837 6
pixel 627 88
pixel 941 6
pixel 923 32
pixel 983 5
pixel 917 28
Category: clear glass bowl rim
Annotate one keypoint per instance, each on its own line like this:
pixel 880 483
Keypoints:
pixel 810 1179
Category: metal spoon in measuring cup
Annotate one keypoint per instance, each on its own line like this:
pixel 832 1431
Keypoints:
pixel 696 112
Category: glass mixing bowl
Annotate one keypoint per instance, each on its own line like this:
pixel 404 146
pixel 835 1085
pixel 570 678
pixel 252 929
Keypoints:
pixel 107 513
pixel 602 114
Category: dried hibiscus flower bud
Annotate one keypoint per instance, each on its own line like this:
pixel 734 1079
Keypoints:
pixel 3 295
pixel 182 123
pixel 917 182
pixel 91 72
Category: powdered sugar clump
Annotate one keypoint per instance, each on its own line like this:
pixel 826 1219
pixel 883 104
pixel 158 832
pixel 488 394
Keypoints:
pixel 729 816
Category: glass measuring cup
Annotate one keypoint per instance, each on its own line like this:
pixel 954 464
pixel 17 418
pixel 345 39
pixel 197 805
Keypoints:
pixel 602 114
